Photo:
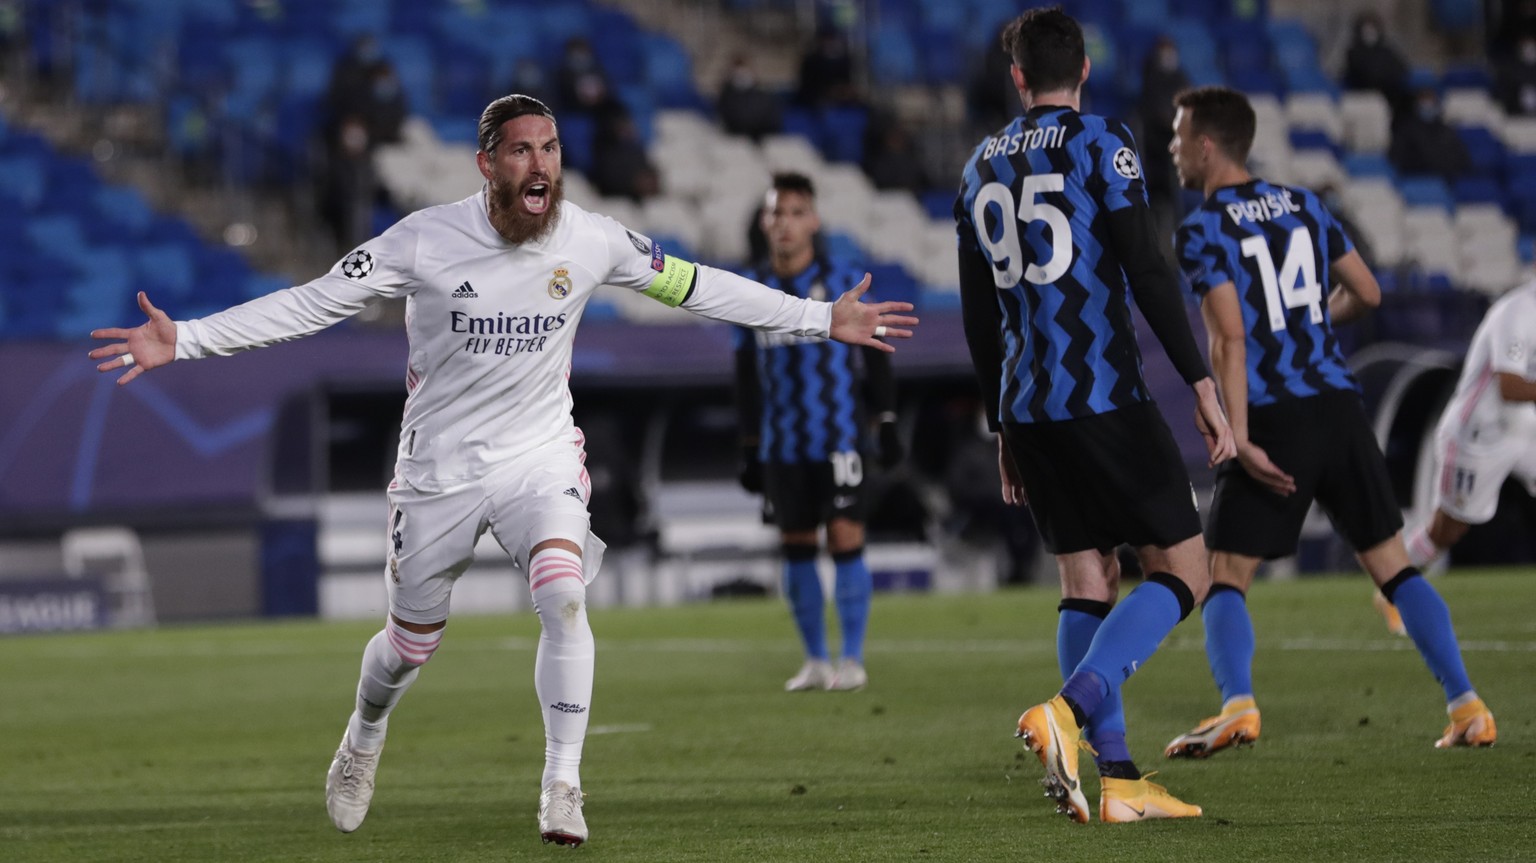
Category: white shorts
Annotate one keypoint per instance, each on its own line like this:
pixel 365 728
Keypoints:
pixel 540 496
pixel 1469 475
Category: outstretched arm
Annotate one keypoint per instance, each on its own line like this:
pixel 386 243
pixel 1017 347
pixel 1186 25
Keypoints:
pixel 150 345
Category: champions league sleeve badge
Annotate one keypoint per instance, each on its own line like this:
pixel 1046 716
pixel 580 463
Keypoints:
pixel 357 265
pixel 560 285
pixel 1126 164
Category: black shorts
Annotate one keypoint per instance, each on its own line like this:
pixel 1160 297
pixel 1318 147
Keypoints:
pixel 1325 442
pixel 1097 482
pixel 806 495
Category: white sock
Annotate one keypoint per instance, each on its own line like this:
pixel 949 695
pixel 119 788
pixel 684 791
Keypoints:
pixel 1421 549
pixel 563 668
pixel 390 662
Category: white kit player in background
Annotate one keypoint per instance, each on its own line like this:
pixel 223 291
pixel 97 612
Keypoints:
pixel 1488 430
pixel 494 286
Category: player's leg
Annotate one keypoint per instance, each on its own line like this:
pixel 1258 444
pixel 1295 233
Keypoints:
pixel 793 490
pixel 539 516
pixel 852 594
pixel 1090 585
pixel 1229 648
pixel 1427 620
pixel 1092 484
pixel 432 540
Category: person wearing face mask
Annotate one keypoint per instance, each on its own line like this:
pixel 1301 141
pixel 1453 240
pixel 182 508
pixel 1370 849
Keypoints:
pixel 1422 142
pixel 1517 79
pixel 1372 64
pixel 745 107
pixel 1162 77
pixel 386 105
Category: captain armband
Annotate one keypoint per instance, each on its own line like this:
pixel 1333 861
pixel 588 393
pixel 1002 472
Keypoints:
pixel 673 281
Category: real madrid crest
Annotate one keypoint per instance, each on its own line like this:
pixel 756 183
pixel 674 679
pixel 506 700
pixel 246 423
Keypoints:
pixel 560 285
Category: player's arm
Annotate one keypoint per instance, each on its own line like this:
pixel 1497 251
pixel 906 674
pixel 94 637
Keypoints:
pixel 1132 238
pixel 880 398
pixel 749 411
pixel 1229 356
pixel 1357 291
pixel 1510 352
pixel 724 296
pixel 351 286
pixel 1229 353
pixel 982 319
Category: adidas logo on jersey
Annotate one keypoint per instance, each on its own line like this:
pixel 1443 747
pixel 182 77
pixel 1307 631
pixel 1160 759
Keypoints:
pixel 572 492
pixel 465 292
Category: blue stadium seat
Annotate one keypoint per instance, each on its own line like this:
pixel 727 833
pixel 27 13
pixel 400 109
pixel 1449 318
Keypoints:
pixel 892 59
pixel 577 135
pixel 668 71
pixel 60 238
pixel 122 212
pixel 1312 139
pixel 617 45
pixel 23 180
pixel 1486 150
pixel 845 127
pixel 165 269
pixel 1467 75
pixel 1478 190
pixel 1425 191
pixel 1369 165
pixel 307 66
pixel 412 58
pixel 892 283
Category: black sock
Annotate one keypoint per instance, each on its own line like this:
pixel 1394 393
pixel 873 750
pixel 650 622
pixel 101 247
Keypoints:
pixel 1118 770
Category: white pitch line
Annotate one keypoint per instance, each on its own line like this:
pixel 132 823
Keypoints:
pixel 619 729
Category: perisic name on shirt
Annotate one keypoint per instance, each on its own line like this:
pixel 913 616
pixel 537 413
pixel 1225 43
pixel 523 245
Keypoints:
pixel 505 335
pixel 1028 139
pixel 1271 206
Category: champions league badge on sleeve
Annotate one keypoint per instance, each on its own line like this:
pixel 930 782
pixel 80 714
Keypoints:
pixel 357 265
pixel 560 285
pixel 1126 164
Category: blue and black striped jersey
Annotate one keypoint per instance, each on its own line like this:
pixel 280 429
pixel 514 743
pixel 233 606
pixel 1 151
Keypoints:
pixel 811 406
pixel 1275 244
pixel 1035 200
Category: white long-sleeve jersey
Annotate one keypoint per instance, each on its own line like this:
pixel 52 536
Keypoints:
pixel 491 324
pixel 1504 342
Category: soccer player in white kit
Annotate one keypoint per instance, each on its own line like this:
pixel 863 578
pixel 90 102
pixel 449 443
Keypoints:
pixel 1488 430
pixel 495 286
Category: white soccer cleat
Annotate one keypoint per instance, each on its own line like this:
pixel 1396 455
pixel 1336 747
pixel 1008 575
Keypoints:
pixel 560 818
pixel 850 676
pixel 349 784
pixel 814 674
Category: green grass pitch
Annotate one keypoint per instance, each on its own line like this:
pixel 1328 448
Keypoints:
pixel 210 743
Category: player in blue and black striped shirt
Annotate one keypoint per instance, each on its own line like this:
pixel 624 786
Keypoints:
pixel 1054 232
pixel 802 407
pixel 1261 257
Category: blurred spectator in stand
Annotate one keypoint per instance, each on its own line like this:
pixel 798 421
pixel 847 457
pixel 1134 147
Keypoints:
pixel 1508 23
pixel 349 186
pixel 991 96
pixel 890 159
pixel 352 80
pixel 1372 64
pixel 1162 78
pixel 584 89
pixel 745 107
pixel 528 78
pixel 621 168
pixel 1517 79
pixel 385 107
pixel 1422 142
pixel 826 71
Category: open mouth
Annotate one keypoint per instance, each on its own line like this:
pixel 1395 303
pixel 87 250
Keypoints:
pixel 536 197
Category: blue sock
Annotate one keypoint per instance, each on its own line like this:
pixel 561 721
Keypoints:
pixel 1428 622
pixel 802 587
pixel 1229 640
pixel 854 587
pixel 1127 638
pixel 1079 620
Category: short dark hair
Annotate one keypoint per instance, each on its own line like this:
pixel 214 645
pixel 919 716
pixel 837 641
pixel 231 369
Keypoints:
pixel 1222 114
pixel 793 181
pixel 507 108
pixel 1047 46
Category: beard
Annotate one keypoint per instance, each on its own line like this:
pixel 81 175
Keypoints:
pixel 514 225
